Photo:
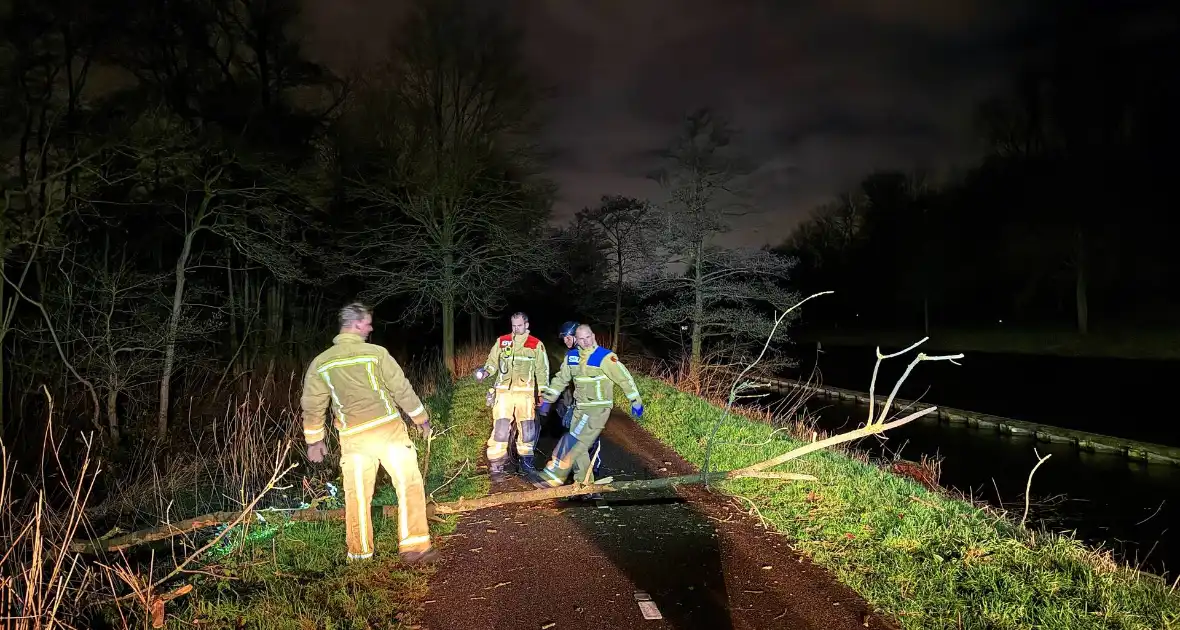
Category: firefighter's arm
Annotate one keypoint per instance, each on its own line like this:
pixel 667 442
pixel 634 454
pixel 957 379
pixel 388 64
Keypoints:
pixel 550 392
pixel 312 402
pixel 617 372
pixel 541 365
pixel 401 390
pixel 493 362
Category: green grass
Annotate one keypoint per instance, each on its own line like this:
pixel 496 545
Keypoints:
pixel 1129 344
pixel 296 577
pixel 928 560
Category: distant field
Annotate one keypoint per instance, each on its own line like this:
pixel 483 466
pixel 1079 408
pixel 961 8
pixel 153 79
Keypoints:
pixel 1129 344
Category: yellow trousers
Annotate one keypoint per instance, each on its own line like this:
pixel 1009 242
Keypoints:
pixel 510 405
pixel 390 447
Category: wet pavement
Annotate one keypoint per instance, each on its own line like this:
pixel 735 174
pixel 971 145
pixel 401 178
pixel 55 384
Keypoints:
pixel 659 559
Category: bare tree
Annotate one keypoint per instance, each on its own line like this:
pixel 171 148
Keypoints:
pixel 707 289
pixel 620 228
pixel 451 210
pixel 204 189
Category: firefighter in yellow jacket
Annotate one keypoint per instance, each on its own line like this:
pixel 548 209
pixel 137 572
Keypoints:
pixel 594 371
pixel 363 383
pixel 522 373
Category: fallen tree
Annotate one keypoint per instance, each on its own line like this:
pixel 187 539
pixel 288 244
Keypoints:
pixel 876 424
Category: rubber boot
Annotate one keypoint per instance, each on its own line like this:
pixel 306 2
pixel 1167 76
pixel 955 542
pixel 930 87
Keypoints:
pixel 496 471
pixel 429 556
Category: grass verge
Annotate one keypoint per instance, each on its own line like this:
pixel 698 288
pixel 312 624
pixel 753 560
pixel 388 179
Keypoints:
pixel 928 560
pixel 295 576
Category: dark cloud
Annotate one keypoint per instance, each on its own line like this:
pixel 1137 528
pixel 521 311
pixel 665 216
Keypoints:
pixel 823 91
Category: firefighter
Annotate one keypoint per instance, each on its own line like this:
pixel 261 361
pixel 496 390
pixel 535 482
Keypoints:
pixel 522 372
pixel 363 383
pixel 565 404
pixel 594 371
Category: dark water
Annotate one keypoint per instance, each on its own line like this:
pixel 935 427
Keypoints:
pixel 1128 507
pixel 1122 398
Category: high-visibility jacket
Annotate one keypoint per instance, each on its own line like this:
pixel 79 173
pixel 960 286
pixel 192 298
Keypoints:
pixel 594 372
pixel 519 363
pixel 364 384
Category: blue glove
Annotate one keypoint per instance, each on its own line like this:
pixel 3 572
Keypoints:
pixel 480 374
pixel 544 408
pixel 637 409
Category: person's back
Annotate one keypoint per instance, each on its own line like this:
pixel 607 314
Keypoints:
pixel 358 375
pixel 364 386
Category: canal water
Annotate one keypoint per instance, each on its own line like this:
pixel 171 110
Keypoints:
pixel 1106 500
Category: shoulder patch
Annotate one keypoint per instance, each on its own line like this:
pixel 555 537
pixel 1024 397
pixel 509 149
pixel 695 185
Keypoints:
pixel 596 357
pixel 572 357
pixel 531 342
pixel 614 357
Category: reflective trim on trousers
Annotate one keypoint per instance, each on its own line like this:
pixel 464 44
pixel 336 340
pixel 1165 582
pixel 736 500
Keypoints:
pixel 362 503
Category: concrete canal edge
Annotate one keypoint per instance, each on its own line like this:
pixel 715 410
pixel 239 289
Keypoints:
pixel 1083 441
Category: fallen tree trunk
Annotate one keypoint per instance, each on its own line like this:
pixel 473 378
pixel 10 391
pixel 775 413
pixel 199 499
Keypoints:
pixel 214 519
pixel 874 426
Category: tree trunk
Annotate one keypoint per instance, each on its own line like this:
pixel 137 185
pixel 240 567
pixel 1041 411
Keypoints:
pixel 698 314
pixel 233 313
pixel 448 301
pixel 113 413
pixel 619 301
pixel 448 332
pixel 174 320
pixel 1083 306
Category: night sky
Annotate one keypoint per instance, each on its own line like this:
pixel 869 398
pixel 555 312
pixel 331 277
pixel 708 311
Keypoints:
pixel 824 91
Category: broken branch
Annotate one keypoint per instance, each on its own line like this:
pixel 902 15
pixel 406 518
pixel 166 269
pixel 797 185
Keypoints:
pixel 453 507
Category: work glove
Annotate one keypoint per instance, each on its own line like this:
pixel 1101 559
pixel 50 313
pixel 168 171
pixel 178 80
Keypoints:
pixel 637 409
pixel 316 452
pixel 426 430
pixel 480 374
pixel 544 408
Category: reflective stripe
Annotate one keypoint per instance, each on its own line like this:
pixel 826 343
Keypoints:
pixel 360 556
pixel 310 433
pixel 365 426
pixel 414 540
pixel 417 412
pixel 345 362
pixel 335 399
pixel 496 449
pixel 377 388
pixel 369 361
pixel 399 486
pixel 594 403
pixel 630 381
pixel 362 506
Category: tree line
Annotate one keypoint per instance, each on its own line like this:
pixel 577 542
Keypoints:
pixel 188 199
pixel 1061 223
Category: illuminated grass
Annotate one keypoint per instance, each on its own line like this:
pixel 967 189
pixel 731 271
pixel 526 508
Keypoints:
pixel 927 560
pixel 296 576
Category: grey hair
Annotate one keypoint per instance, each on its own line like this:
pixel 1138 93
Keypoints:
pixel 352 314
